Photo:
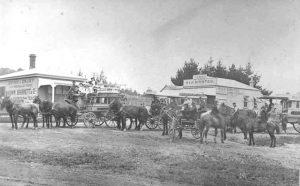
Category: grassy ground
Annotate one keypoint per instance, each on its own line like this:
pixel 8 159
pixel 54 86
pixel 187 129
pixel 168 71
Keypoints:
pixel 101 156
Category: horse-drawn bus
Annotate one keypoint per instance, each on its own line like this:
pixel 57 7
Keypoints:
pixel 289 107
pixel 94 107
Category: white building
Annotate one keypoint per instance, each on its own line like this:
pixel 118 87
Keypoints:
pixel 216 89
pixel 24 85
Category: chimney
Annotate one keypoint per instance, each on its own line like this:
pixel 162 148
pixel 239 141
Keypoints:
pixel 32 61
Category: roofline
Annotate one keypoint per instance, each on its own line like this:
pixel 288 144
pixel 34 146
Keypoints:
pixel 44 76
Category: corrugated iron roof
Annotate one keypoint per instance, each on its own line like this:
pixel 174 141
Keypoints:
pixel 40 72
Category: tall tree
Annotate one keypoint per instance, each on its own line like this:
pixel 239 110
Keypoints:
pixel 189 69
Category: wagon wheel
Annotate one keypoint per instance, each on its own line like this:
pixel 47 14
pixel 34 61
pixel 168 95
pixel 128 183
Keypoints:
pixel 70 123
pixel 195 132
pixel 89 119
pixel 152 123
pixel 110 121
pixel 296 127
pixel 100 121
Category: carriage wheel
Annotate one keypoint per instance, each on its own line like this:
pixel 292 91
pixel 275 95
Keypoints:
pixel 100 121
pixel 70 123
pixel 195 132
pixel 296 127
pixel 152 123
pixel 89 119
pixel 110 121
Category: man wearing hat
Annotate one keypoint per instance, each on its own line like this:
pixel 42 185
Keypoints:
pixel 73 94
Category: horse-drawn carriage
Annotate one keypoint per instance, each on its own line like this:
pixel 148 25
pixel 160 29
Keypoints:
pixel 173 117
pixel 289 109
pixel 93 109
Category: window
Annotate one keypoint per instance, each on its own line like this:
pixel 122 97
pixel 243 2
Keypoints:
pixel 246 99
pixel 297 104
pixel 290 104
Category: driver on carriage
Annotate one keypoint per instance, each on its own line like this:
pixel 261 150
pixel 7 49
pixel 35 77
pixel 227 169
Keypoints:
pixel 189 110
pixel 73 94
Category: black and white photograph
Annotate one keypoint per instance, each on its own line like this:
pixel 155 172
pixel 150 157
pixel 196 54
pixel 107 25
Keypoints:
pixel 149 92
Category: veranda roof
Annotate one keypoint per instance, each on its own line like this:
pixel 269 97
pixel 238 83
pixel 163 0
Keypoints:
pixel 45 73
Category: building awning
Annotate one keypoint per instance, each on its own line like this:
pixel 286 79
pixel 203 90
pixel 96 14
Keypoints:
pixel 195 92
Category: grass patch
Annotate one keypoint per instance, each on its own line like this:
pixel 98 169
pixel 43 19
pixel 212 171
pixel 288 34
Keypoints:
pixel 102 160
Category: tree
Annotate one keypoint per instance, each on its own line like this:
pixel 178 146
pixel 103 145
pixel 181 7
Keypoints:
pixel 4 71
pixel 189 69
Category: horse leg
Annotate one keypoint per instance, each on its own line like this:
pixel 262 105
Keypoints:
pixel 11 120
pixel 216 133
pixel 16 121
pixel 64 121
pixel 24 120
pixel 222 135
pixel 250 139
pixel 50 118
pixel 180 132
pixel 205 134
pixel 123 123
pixel 273 139
pixel 245 134
pixel 43 116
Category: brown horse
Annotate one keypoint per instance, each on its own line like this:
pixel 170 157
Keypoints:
pixel 8 105
pixel 260 124
pixel 45 107
pixel 129 111
pixel 212 119
pixel 63 110
pixel 26 110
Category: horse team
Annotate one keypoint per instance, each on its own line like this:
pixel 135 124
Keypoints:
pixel 221 117
pixel 60 110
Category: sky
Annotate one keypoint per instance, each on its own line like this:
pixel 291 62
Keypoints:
pixel 142 43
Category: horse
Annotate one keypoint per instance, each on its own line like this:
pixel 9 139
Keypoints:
pixel 8 105
pixel 245 112
pixel 26 110
pixel 63 110
pixel 212 118
pixel 45 107
pixel 260 124
pixel 128 111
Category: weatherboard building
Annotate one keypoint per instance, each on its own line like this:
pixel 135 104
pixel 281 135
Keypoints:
pixel 24 86
pixel 216 89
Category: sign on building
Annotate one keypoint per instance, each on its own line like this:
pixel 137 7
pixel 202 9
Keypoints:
pixel 200 80
pixel 22 90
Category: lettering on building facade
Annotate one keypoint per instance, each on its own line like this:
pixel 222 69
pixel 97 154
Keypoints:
pixel 22 90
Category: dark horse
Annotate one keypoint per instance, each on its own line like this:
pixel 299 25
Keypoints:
pixel 260 124
pixel 215 119
pixel 63 110
pixel 45 107
pixel 128 111
pixel 26 110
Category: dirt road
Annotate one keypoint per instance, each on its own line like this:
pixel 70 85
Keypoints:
pixel 103 156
